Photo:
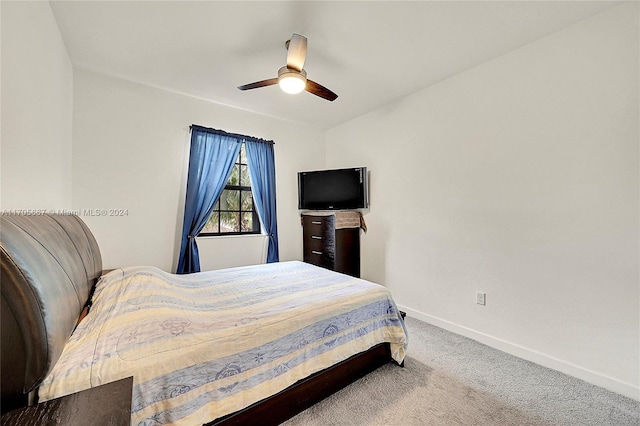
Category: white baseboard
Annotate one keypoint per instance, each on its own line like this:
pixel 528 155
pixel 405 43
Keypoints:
pixel 590 376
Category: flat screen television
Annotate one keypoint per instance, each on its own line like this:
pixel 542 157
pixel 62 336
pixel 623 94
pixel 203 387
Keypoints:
pixel 338 189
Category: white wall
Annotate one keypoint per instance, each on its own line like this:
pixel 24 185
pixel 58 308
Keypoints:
pixel 518 178
pixel 130 151
pixel 233 250
pixel 37 96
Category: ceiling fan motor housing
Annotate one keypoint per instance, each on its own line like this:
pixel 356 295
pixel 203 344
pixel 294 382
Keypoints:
pixel 292 81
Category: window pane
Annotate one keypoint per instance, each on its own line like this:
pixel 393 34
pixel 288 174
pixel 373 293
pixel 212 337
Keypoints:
pixel 247 222
pixel 230 200
pixel 243 155
pixel 256 222
pixel 212 224
pixel 234 177
pixel 245 180
pixel 229 222
pixel 247 201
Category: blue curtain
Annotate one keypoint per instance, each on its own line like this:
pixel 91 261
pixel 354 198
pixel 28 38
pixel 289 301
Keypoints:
pixel 262 170
pixel 211 160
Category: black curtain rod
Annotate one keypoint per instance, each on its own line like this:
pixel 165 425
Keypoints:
pixel 233 135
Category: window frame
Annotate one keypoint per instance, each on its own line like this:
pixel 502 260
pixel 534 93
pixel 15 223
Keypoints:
pixel 257 228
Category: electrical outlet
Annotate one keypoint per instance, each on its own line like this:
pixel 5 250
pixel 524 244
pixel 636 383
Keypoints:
pixel 481 298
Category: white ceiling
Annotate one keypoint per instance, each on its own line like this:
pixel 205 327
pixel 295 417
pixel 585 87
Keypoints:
pixel 369 53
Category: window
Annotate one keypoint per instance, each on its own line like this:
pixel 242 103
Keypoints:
pixel 238 207
pixel 234 213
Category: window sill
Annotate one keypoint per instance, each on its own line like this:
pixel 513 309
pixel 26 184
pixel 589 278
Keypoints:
pixel 207 237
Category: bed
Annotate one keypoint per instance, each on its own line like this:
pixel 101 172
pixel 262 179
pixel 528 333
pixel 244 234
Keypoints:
pixel 221 347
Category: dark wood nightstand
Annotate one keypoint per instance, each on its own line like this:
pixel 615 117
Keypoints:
pixel 105 405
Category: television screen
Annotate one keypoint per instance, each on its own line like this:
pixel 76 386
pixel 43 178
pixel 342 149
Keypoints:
pixel 339 189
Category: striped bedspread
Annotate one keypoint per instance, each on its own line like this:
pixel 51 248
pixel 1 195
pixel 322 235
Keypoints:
pixel 204 345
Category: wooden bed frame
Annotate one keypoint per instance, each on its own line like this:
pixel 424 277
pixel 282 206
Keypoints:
pixel 307 392
pixel 38 317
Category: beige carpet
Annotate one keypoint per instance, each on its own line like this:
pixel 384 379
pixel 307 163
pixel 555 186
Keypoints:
pixel 451 380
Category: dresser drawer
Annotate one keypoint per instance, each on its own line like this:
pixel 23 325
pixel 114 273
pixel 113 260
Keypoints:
pixel 316 244
pixel 318 224
pixel 319 258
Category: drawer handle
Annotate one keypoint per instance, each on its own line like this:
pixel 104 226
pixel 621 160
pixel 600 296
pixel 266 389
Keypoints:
pixel 316 223
pixel 315 237
pixel 316 252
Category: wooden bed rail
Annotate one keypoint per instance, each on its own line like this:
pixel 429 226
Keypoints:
pixel 307 392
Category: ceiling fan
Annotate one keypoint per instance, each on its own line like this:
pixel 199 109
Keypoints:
pixel 292 78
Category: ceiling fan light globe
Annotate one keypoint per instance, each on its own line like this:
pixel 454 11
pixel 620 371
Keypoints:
pixel 291 85
pixel 291 81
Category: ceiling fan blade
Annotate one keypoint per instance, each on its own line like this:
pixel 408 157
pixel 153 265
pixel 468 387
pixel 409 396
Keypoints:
pixel 257 84
pixel 319 90
pixel 296 52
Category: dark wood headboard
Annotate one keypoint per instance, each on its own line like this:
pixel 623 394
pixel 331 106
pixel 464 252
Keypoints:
pixel 50 264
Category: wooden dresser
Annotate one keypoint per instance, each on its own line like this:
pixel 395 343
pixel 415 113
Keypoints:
pixel 328 244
